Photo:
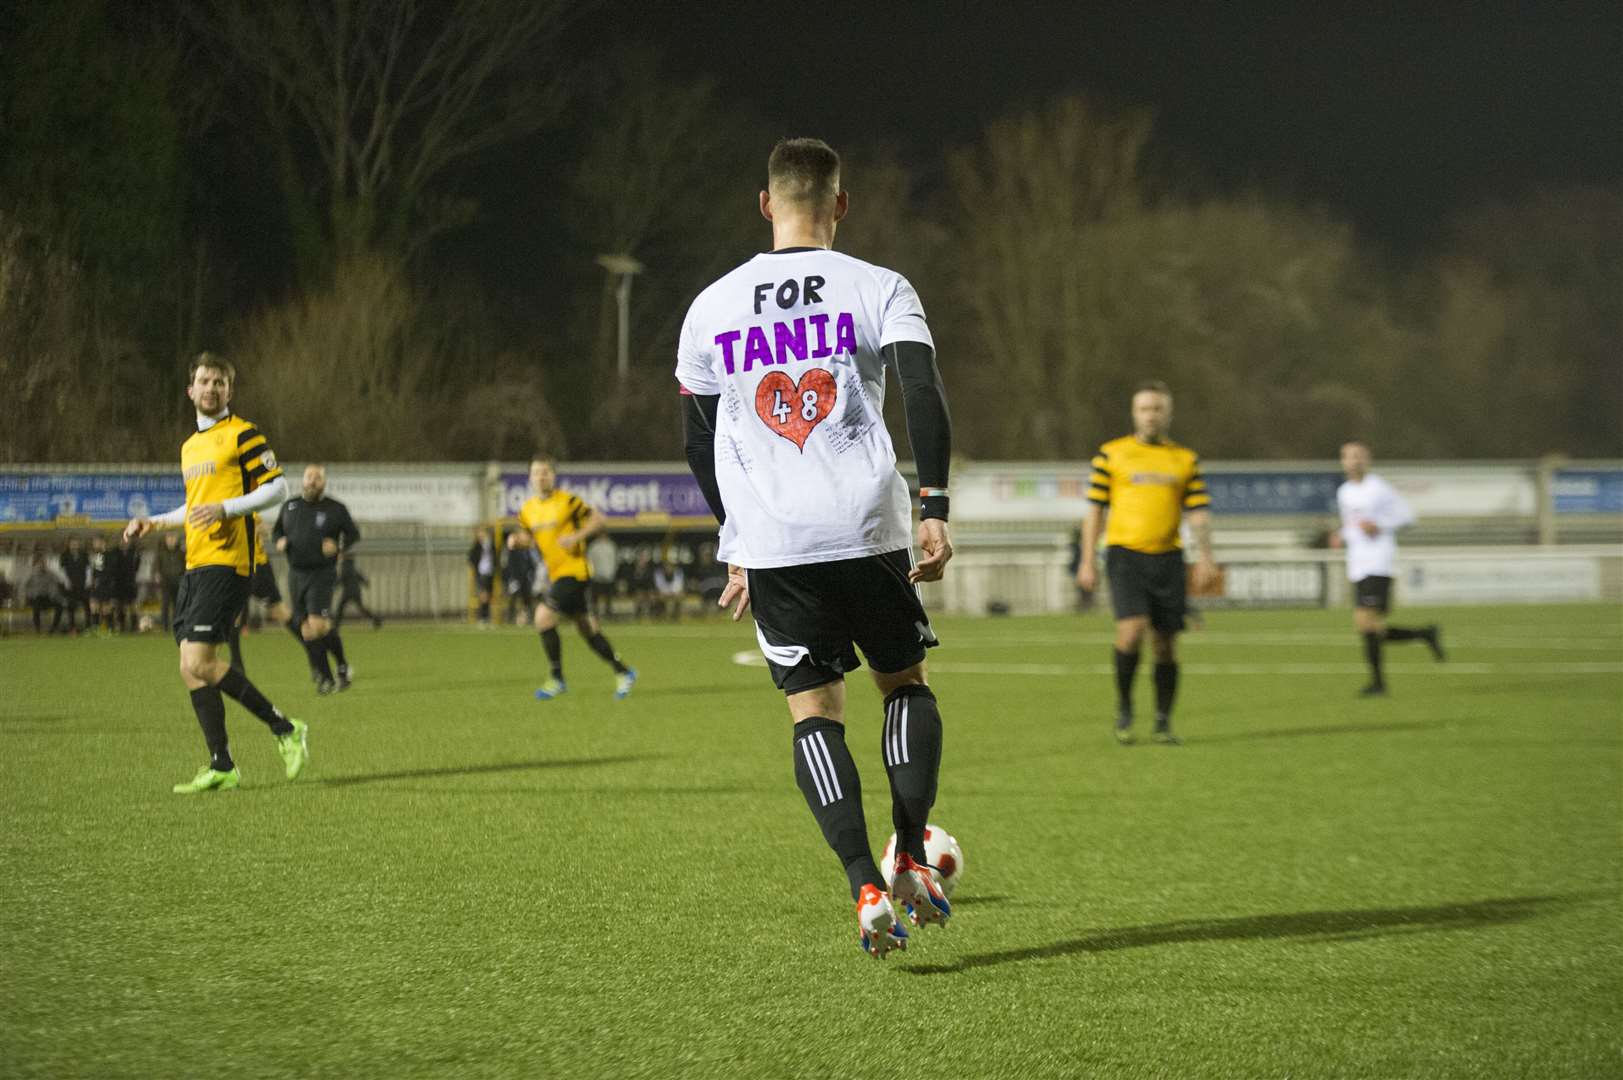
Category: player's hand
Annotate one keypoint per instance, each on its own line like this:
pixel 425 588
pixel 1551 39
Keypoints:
pixel 1087 575
pixel 737 590
pixel 205 514
pixel 329 547
pixel 1205 575
pixel 281 543
pixel 569 542
pixel 137 528
pixel 937 549
pixel 1370 528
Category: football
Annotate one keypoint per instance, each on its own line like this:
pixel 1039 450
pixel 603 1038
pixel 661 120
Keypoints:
pixel 941 851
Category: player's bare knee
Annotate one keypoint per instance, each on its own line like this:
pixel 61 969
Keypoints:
pixel 889 682
pixel 826 701
pixel 544 619
pixel 1165 648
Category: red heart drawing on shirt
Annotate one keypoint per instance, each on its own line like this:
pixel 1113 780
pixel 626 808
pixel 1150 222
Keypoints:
pixel 793 409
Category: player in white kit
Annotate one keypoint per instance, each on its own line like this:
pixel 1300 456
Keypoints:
pixel 1371 515
pixel 782 362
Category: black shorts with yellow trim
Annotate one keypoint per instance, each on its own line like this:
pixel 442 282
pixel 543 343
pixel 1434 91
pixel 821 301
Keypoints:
pixel 1144 584
pixel 208 603
pixel 811 619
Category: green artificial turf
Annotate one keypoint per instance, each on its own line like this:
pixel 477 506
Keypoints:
pixel 467 882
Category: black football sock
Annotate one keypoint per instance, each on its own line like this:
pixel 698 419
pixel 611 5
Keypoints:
pixel 210 709
pixel 293 628
pixel 336 647
pixel 317 652
pixel 484 611
pixel 827 777
pixel 912 753
pixel 248 696
pixel 1126 668
pixel 235 641
pixel 554 649
pixel 600 645
pixel 1372 653
pixel 1166 689
pixel 1403 633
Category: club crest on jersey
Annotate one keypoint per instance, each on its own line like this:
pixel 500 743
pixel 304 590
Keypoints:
pixel 321 518
pixel 806 338
pixel 792 409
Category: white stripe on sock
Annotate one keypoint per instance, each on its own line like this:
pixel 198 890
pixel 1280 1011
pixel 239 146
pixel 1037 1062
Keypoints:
pixel 812 766
pixel 828 760
pixel 902 740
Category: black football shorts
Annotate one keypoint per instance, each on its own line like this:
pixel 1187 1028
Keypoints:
pixel 811 619
pixel 1143 584
pixel 208 603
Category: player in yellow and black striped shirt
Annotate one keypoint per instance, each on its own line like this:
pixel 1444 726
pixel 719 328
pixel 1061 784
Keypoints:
pixel 230 472
pixel 562 523
pixel 1143 486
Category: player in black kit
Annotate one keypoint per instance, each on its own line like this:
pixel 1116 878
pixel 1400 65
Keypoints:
pixel 311 530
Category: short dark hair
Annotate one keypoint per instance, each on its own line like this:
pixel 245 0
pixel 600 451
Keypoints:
pixel 215 362
pixel 803 170
pixel 1154 386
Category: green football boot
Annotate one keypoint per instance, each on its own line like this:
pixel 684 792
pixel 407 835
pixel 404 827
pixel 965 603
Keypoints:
pixel 550 689
pixel 295 748
pixel 209 778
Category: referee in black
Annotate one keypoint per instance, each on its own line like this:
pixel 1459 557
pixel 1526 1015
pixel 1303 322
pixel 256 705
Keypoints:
pixel 312 529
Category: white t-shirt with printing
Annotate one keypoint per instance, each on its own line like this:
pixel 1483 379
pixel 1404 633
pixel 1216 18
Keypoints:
pixel 791 342
pixel 1371 499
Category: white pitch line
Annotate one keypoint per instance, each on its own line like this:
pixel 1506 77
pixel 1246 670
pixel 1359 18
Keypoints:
pixel 751 658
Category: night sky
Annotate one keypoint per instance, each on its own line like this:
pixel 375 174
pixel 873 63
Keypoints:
pixel 1393 117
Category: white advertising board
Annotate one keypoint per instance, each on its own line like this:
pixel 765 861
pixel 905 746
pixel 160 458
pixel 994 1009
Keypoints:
pixel 401 495
pixel 1488 579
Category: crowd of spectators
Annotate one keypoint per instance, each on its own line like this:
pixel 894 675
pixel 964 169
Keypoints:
pixel 92 582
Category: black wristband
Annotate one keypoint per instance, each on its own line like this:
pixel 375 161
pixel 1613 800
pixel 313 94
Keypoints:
pixel 933 506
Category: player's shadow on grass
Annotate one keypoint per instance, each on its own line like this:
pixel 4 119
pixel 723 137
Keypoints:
pixel 1319 925
pixel 485 770
pixel 1326 729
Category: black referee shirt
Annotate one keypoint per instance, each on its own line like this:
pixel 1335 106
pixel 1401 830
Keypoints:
pixel 306 524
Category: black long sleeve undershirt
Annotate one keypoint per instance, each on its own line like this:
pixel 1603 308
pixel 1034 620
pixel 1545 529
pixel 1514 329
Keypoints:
pixel 929 425
pixel 699 421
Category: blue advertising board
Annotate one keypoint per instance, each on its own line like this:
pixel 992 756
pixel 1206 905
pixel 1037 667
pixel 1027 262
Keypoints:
pixel 1589 491
pixel 628 498
pixel 46 499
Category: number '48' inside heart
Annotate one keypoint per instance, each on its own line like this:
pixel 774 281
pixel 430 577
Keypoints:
pixel 792 409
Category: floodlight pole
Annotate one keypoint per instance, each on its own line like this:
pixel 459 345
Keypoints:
pixel 627 268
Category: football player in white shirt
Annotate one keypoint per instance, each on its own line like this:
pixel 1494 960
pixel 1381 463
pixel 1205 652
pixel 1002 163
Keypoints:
pixel 1371 515
pixel 783 363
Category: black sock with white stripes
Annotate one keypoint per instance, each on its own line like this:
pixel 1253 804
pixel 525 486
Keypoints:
pixel 912 752
pixel 828 778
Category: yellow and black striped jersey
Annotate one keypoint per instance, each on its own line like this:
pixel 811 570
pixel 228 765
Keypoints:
pixel 549 518
pixel 227 459
pixel 1147 487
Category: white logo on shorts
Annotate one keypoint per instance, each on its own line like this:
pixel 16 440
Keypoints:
pixel 203 626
